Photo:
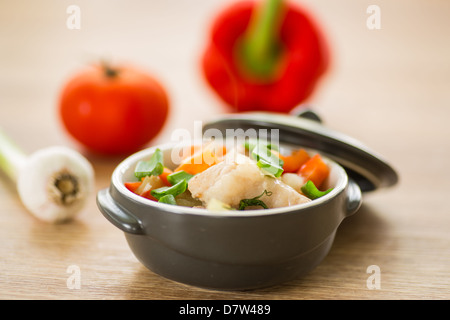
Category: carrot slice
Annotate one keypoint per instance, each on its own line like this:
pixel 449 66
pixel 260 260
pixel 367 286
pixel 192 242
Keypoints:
pixel 163 176
pixel 132 186
pixel 144 187
pixel 201 160
pixel 294 161
pixel 147 194
pixel 193 166
pixel 315 169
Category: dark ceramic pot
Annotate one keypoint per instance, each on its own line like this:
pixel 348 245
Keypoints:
pixel 236 250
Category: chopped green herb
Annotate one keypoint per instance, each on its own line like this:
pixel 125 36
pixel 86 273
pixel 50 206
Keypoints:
pixel 152 167
pixel 176 177
pixel 244 203
pixel 168 198
pixel 270 168
pixel 250 144
pixel 174 190
pixel 266 160
pixel 310 190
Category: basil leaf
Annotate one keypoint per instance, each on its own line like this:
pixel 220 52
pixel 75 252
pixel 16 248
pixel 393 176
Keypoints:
pixel 244 203
pixel 174 190
pixel 310 190
pixel 152 167
pixel 176 177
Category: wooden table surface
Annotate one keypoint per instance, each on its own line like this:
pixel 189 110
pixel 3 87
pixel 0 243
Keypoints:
pixel 388 88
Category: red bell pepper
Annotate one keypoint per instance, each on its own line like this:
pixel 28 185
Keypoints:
pixel 264 56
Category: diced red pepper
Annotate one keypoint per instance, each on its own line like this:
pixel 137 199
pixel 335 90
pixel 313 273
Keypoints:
pixel 315 169
pixel 295 160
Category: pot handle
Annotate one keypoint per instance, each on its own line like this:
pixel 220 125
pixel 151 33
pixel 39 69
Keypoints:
pixel 118 216
pixel 354 197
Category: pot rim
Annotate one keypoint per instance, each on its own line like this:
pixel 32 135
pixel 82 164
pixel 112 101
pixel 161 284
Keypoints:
pixel 130 161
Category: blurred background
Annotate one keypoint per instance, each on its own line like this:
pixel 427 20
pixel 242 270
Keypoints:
pixel 389 82
pixel 405 63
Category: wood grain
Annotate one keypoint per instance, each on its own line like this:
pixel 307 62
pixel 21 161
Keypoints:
pixel 388 88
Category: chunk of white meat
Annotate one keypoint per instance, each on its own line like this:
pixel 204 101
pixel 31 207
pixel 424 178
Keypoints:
pixel 233 179
pixel 282 194
pixel 293 180
pixel 238 177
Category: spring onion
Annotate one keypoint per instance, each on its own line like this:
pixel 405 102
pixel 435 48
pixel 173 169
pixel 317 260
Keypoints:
pixel 152 167
pixel 244 203
pixel 174 190
pixel 53 183
pixel 310 190
pixel 250 144
pixel 168 198
pixel 176 177
pixel 266 160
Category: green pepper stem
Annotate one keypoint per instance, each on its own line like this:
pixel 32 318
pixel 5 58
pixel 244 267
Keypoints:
pixel 260 47
pixel 11 157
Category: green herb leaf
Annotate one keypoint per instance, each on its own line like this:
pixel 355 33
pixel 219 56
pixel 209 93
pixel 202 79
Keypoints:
pixel 176 177
pixel 266 160
pixel 168 198
pixel 244 203
pixel 174 190
pixel 251 202
pixel 153 167
pixel 310 190
pixel 270 168
pixel 251 143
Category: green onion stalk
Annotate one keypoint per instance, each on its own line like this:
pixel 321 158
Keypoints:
pixel 154 167
pixel 53 183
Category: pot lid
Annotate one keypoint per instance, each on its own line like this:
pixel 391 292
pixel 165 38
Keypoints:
pixel 368 169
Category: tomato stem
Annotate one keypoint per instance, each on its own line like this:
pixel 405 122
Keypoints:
pixel 110 72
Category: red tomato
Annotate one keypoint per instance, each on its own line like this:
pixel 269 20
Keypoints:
pixel 113 110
